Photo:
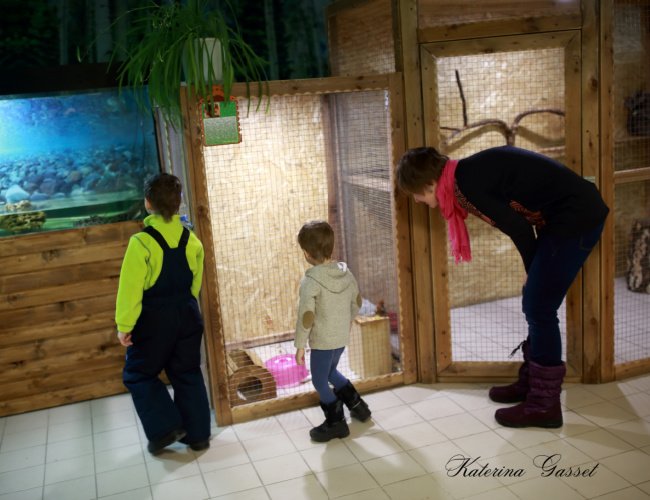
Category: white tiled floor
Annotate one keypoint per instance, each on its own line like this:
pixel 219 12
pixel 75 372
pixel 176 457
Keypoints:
pixel 96 449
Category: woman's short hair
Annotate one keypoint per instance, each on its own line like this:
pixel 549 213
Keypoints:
pixel 419 167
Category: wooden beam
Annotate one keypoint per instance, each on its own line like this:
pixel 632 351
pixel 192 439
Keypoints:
pixel 314 86
pixel 635 175
pixel 438 231
pixel 402 247
pixel 592 333
pixel 494 371
pixel 632 369
pixel 486 29
pixel 608 179
pixel 500 44
pixel 573 93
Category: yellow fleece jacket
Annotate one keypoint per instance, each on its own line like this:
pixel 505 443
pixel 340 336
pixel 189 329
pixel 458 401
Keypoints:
pixel 142 265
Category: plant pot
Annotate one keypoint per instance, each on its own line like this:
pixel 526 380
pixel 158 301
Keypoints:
pixel 207 55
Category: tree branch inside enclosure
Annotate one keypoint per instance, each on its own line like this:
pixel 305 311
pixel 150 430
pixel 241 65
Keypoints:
pixel 509 132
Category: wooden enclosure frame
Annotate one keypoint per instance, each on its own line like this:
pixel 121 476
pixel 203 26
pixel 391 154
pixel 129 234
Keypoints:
pixel 593 350
pixel 226 412
pixel 610 179
pixel 446 368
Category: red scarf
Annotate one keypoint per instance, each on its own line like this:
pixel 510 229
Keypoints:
pixel 453 213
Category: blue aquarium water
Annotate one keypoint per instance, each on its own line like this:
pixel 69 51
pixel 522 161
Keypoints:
pixel 73 159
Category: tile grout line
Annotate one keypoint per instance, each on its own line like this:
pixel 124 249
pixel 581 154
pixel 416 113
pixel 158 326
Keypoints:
pixel 47 445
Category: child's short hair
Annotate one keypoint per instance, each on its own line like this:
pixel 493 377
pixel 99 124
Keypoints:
pixel 418 168
pixel 316 237
pixel 164 193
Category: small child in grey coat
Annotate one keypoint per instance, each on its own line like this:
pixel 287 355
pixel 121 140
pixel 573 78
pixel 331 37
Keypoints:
pixel 329 301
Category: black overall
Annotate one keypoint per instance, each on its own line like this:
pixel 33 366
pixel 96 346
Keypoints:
pixel 168 336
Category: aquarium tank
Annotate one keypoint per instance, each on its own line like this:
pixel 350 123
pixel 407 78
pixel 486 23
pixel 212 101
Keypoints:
pixel 74 159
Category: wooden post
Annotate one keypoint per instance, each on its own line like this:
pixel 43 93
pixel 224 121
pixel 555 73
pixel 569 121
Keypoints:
pixel 573 78
pixel 607 190
pixel 592 331
pixel 217 369
pixel 408 61
pixel 438 241
pixel 403 239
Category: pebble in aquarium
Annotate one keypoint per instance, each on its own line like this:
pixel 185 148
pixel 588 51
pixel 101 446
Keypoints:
pixel 73 159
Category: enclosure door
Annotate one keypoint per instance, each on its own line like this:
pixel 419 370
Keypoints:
pixel 324 149
pixel 521 90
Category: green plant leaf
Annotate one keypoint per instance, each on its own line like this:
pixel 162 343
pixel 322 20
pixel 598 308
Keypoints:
pixel 160 49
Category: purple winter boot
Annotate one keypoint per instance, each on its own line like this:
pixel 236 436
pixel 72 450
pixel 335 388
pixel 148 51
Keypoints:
pixel 516 392
pixel 542 405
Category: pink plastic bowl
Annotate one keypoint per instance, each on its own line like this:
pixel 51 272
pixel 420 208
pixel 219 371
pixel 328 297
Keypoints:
pixel 285 371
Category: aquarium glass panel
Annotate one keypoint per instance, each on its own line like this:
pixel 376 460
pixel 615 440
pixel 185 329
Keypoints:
pixel 73 159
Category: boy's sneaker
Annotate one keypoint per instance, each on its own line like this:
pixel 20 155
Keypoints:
pixel 197 445
pixel 158 445
pixel 200 445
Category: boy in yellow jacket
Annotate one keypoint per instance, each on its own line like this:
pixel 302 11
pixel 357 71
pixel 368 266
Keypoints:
pixel 159 321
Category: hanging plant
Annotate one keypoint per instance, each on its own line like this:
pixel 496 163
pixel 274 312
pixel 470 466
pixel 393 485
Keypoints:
pixel 188 42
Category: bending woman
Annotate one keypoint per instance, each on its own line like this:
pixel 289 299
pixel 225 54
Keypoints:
pixel 553 216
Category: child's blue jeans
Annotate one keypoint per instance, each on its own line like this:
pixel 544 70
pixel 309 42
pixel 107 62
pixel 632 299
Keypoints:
pixel 555 265
pixel 323 365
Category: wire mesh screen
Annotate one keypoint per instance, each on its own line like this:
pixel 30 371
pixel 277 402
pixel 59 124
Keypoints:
pixel 361 39
pixel 632 281
pixel 631 105
pixel 484 100
pixel 363 155
pixel 292 166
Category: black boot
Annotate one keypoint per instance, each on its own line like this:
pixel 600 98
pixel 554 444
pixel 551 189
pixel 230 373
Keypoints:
pixel 334 426
pixel 357 406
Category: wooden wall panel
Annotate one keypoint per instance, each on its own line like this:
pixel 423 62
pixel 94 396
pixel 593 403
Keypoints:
pixel 58 342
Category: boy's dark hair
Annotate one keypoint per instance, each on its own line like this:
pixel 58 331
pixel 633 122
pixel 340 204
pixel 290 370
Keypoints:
pixel 419 167
pixel 164 193
pixel 316 237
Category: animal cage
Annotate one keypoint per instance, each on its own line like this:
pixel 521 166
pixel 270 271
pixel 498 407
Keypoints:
pixel 325 153
pixel 566 79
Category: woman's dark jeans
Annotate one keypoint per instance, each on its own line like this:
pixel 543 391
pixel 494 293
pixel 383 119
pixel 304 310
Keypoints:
pixel 555 265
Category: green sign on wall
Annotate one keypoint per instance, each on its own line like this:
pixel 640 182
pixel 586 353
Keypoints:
pixel 221 123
